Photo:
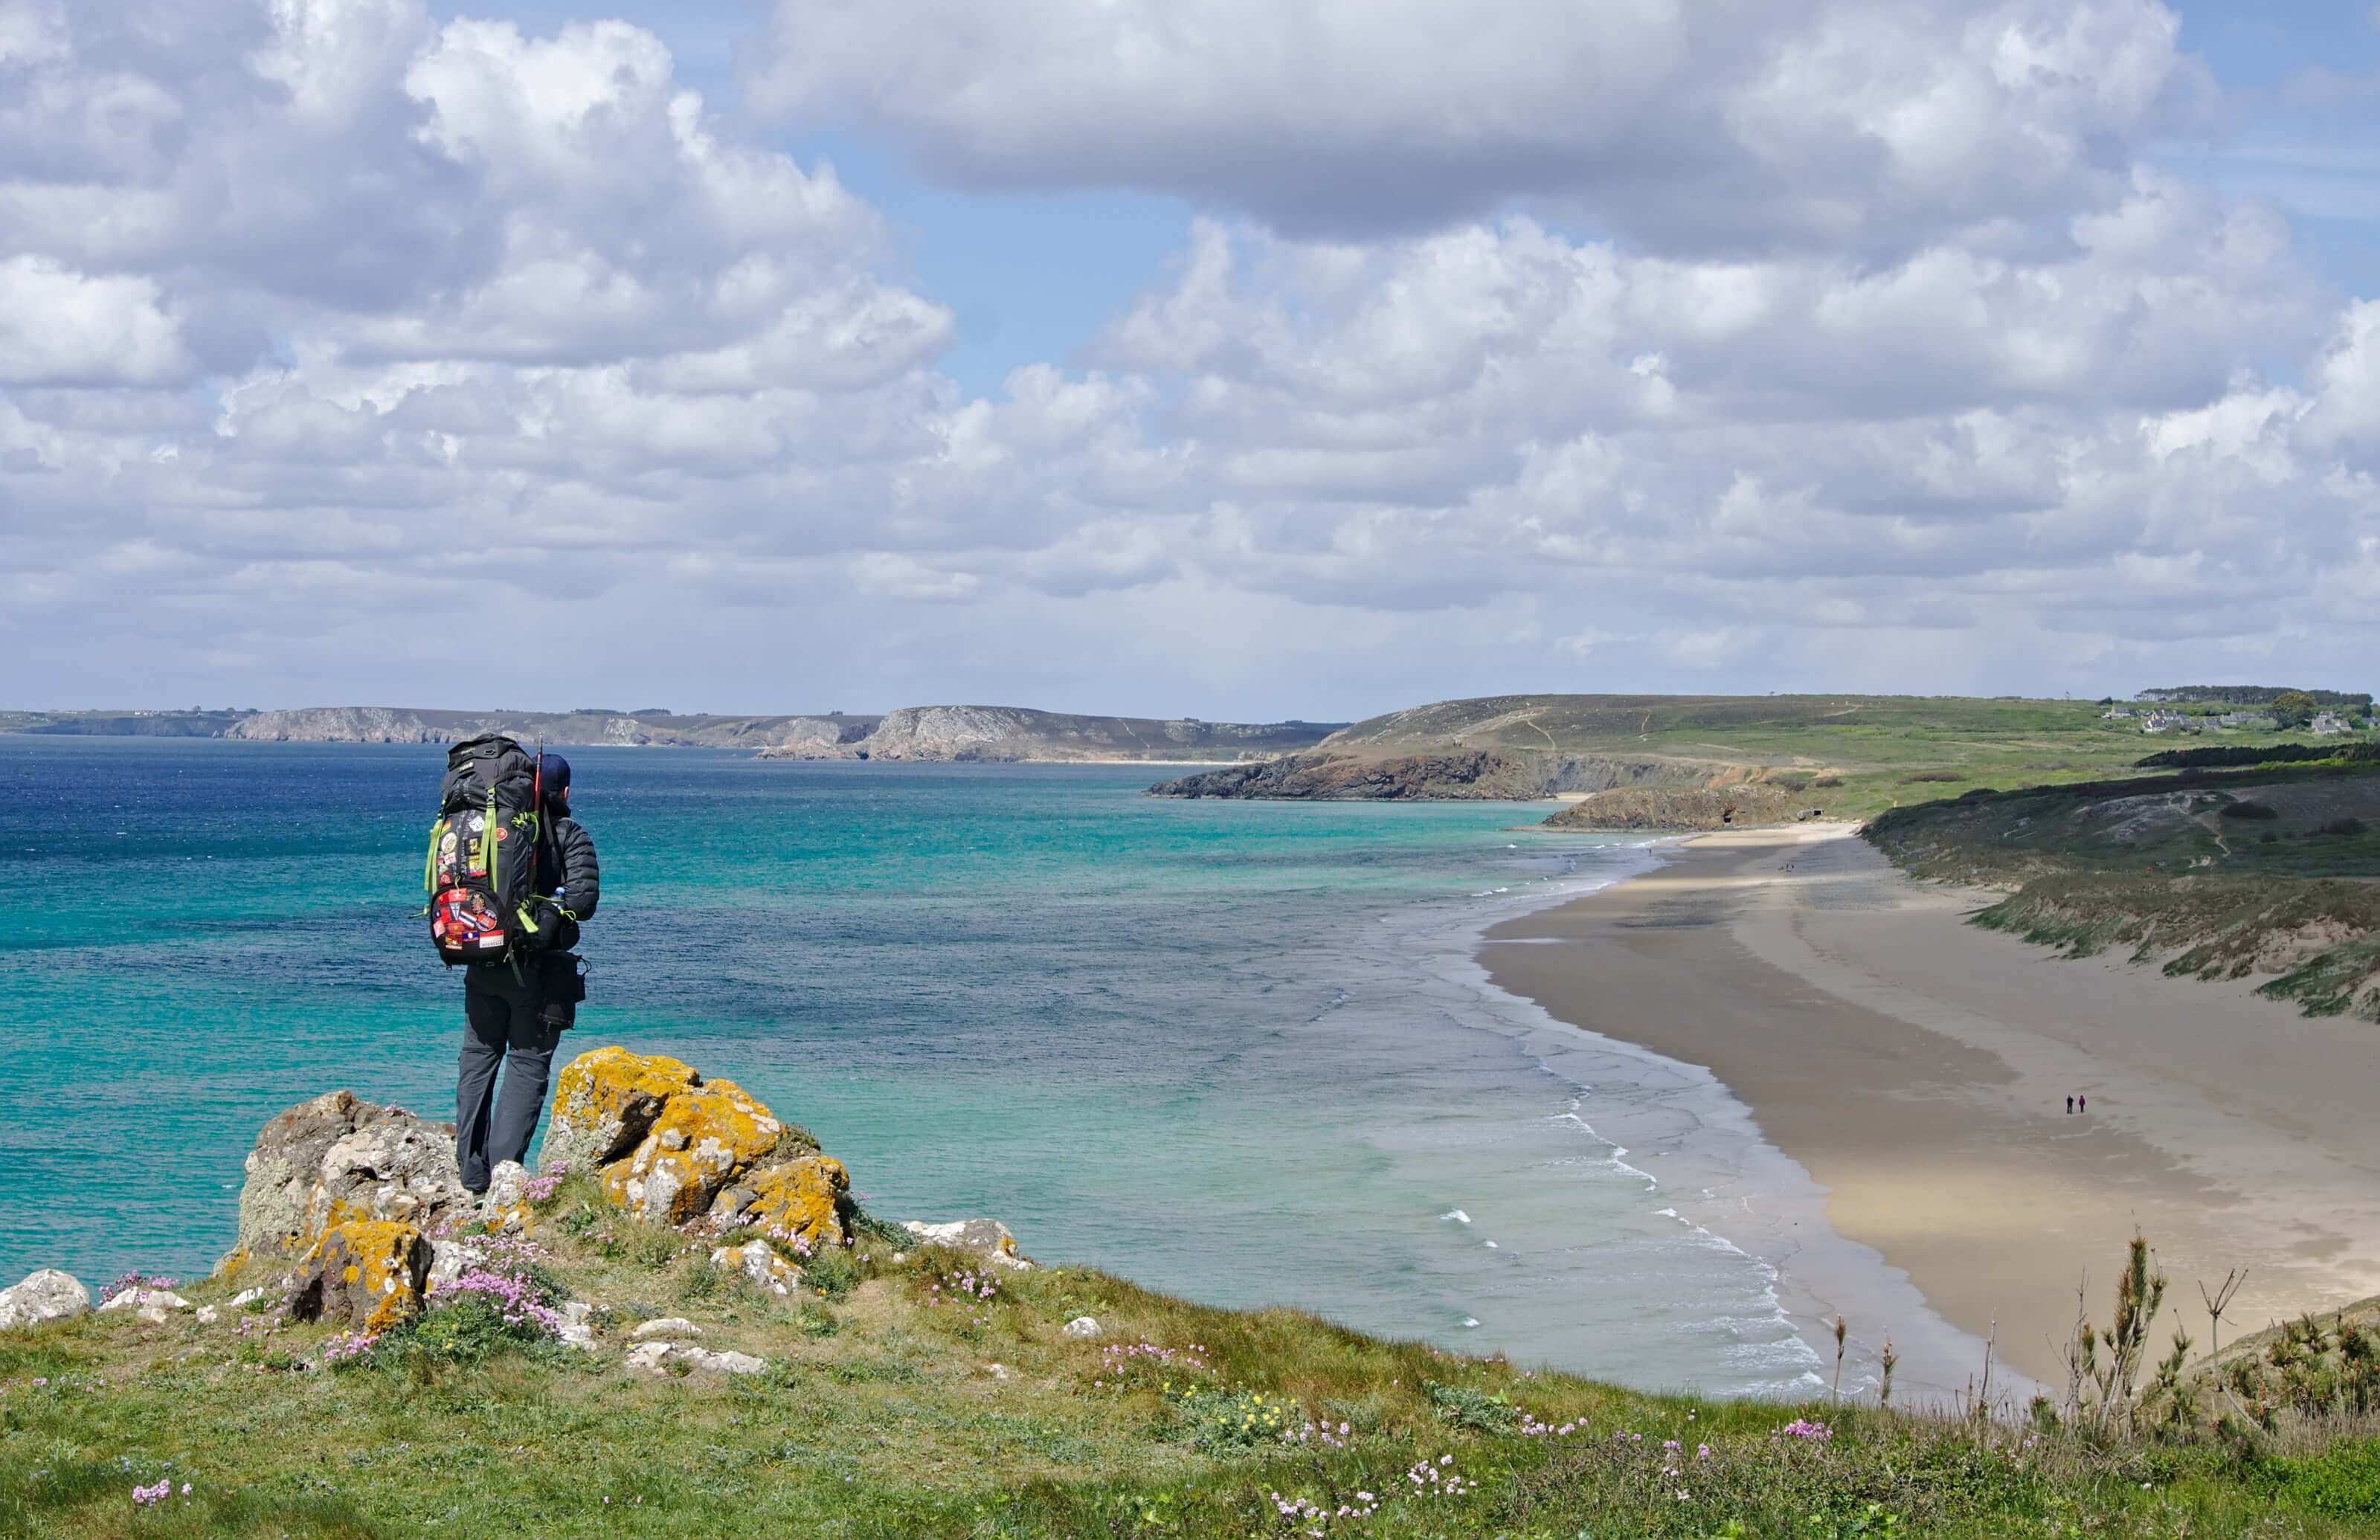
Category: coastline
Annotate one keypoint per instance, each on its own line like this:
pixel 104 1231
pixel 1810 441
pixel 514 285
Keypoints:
pixel 1915 1068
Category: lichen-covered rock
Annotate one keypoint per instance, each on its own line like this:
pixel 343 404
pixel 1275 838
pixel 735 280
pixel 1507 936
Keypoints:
pixel 759 1262
pixel 45 1295
pixel 606 1101
pixel 394 1167
pixel 339 1157
pixel 706 1136
pixel 805 1201
pixel 367 1274
pixel 987 1236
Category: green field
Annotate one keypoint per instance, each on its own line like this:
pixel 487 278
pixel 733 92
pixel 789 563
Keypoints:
pixel 1856 755
pixel 899 1399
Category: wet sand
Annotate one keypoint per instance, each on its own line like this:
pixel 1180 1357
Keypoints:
pixel 1917 1067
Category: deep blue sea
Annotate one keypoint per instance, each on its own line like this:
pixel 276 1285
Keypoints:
pixel 1236 1051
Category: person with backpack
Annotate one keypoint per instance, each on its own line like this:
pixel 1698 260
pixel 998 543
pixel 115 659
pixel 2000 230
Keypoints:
pixel 510 874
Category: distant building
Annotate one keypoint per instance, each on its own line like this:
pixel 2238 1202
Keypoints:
pixel 2259 722
pixel 2329 725
pixel 2120 713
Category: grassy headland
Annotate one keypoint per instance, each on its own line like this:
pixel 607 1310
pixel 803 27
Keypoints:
pixel 903 1398
pixel 1853 756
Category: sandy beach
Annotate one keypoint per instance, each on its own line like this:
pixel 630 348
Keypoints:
pixel 1917 1067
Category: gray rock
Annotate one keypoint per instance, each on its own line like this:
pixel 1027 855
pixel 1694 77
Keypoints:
pixel 504 1185
pixel 45 1295
pixel 246 1297
pixel 667 1326
pixel 1081 1325
pixel 209 1314
pixel 656 1357
pixel 758 1261
pixel 577 1329
pixel 339 1153
pixel 987 1236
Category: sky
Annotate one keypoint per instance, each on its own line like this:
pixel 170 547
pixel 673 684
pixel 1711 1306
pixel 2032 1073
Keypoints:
pixel 1233 358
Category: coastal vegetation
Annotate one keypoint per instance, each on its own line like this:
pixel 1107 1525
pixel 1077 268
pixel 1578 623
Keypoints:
pixel 661 1335
pixel 2268 869
pixel 889 1406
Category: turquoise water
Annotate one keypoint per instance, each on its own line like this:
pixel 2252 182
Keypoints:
pixel 1234 1050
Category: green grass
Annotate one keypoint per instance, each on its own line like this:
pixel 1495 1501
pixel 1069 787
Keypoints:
pixel 916 1415
pixel 1854 756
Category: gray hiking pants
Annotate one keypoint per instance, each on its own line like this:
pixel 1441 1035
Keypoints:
pixel 500 1028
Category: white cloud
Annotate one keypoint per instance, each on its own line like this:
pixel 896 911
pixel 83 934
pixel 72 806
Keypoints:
pixel 1861 123
pixel 311 306
pixel 60 327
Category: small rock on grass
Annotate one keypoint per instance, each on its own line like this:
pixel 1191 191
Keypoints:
pixel 665 1328
pixel 146 1300
pixel 1081 1325
pixel 656 1357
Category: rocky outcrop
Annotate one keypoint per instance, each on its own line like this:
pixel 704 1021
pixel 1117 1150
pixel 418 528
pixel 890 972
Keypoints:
pixel 1473 775
pixel 46 1295
pixel 670 1148
pixel 368 1274
pixel 338 1158
pixel 1685 808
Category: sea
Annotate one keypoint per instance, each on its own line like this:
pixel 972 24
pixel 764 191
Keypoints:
pixel 1240 1051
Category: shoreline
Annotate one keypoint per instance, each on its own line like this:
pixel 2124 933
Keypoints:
pixel 1912 1067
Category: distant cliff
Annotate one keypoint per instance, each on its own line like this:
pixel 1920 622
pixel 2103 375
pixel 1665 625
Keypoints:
pixel 986 733
pixel 1014 735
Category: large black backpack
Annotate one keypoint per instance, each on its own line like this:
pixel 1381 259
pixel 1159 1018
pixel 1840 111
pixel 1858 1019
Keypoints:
pixel 481 873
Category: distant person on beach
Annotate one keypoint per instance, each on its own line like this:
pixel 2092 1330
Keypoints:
pixel 2082 1104
pixel 2070 1104
pixel 511 923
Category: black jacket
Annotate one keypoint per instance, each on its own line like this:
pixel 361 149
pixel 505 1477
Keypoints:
pixel 570 869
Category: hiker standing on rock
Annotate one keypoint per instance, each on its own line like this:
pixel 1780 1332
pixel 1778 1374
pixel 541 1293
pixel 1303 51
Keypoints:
pixel 510 874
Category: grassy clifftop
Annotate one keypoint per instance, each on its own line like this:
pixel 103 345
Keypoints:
pixel 905 1397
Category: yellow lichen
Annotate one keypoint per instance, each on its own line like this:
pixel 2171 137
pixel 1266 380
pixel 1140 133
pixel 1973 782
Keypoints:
pixel 802 1200
pixel 608 1097
pixel 372 1261
pixel 705 1136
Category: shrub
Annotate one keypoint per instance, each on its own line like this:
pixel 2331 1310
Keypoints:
pixel 832 1273
pixel 1827 781
pixel 1462 1406
pixel 2243 809
pixel 1222 1420
pixel 2343 1482
pixel 1932 775
pixel 471 1330
pixel 2345 828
